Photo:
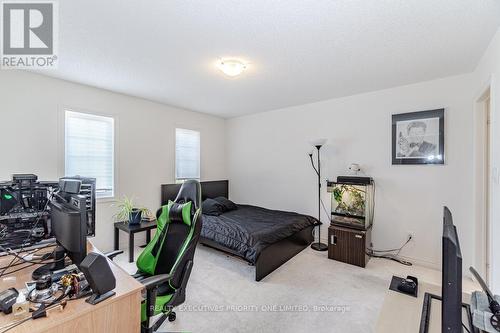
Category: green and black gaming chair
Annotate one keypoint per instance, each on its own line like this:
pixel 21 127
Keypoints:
pixel 165 264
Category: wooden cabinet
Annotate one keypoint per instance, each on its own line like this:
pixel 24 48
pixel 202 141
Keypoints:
pixel 348 245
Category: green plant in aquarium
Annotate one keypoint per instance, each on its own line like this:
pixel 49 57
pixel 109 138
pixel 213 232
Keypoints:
pixel 357 204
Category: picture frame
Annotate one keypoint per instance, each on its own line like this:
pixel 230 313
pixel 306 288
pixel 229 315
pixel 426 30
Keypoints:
pixel 418 138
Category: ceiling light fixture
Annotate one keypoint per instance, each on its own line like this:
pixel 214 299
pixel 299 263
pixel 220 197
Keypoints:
pixel 231 67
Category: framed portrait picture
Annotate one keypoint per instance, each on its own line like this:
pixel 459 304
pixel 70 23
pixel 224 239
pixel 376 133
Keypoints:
pixel 418 137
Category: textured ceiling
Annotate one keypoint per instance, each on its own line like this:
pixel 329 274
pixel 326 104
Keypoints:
pixel 300 51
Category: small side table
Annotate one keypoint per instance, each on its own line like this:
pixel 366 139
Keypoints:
pixel 131 230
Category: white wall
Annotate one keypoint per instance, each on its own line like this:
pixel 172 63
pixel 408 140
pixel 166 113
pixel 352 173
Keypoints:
pixel 31 130
pixel 268 163
pixel 488 74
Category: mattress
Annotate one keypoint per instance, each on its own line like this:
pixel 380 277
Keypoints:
pixel 250 229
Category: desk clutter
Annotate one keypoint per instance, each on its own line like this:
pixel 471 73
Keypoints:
pixel 63 215
pixel 94 280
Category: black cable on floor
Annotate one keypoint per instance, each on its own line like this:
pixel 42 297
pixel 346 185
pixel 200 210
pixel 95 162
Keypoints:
pixel 398 250
pixel 391 257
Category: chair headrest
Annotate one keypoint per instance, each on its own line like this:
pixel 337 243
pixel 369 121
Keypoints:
pixel 180 213
pixel 190 191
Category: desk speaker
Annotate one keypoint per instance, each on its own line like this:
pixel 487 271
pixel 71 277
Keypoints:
pixel 100 277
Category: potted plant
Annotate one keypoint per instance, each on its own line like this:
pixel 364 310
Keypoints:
pixel 128 212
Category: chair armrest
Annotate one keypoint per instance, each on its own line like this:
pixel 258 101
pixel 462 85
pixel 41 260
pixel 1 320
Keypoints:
pixel 111 255
pixel 151 284
pixel 155 280
pixel 139 276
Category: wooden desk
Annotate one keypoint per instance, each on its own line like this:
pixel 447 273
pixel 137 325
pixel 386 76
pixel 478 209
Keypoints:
pixel 401 313
pixel 120 313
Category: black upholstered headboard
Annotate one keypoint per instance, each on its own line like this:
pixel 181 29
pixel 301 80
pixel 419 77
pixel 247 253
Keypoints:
pixel 211 189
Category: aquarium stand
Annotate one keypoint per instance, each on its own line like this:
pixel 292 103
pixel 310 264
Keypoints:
pixel 349 245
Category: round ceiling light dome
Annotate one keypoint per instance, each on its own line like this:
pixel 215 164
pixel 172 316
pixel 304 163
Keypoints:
pixel 231 67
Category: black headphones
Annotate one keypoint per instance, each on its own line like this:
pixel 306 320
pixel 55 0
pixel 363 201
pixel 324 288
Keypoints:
pixel 408 285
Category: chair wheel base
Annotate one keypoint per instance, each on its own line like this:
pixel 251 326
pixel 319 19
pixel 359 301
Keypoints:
pixel 172 316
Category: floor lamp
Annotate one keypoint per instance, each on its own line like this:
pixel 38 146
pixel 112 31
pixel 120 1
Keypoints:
pixel 318 144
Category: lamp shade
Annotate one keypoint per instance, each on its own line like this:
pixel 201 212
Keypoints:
pixel 318 142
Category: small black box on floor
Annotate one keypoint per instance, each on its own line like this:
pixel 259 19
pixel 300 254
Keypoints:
pixel 400 285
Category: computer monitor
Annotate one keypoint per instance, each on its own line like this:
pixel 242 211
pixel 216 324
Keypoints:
pixel 451 312
pixel 69 227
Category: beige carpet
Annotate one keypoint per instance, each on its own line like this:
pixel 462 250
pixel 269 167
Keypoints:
pixel 308 293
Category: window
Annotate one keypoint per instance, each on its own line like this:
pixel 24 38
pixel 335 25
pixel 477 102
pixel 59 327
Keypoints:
pixel 89 150
pixel 187 154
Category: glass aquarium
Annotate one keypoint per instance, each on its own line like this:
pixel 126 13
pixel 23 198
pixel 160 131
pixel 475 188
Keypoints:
pixel 352 201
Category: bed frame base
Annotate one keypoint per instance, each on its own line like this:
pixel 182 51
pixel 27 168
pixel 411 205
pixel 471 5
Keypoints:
pixel 278 253
pixel 275 254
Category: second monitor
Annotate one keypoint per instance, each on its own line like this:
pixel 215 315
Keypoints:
pixel 69 227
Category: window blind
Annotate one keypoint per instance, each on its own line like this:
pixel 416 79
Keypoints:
pixel 187 154
pixel 89 149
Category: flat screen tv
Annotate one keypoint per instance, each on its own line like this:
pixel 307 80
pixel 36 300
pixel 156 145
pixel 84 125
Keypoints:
pixel 451 314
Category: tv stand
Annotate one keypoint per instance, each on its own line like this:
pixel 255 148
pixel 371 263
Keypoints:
pixel 48 269
pixel 427 310
pixel 401 313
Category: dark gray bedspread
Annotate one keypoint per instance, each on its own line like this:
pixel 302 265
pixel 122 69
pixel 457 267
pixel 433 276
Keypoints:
pixel 249 229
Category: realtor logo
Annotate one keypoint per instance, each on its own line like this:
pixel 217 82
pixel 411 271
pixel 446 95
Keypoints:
pixel 28 34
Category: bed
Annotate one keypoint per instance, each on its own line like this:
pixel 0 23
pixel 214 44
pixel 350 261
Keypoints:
pixel 264 238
